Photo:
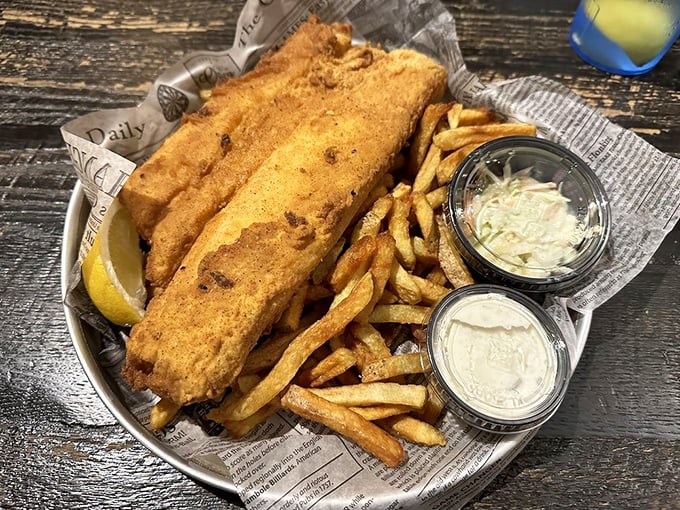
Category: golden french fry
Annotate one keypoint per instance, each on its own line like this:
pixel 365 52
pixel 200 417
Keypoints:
pixel 437 276
pixel 290 319
pixel 266 355
pixel 450 260
pixel 368 436
pixel 450 163
pixel 401 314
pixel 403 285
pixel 425 216
pixel 425 253
pixel 162 413
pixel 238 429
pixel 387 298
pixel 428 170
pixel 371 338
pixel 375 393
pixel 241 428
pixel 423 135
pixel 433 407
pixel 438 196
pixel 371 222
pixel 393 366
pixel 453 139
pixel 373 413
pixel 300 349
pixel 316 293
pixel 328 262
pixel 476 116
pixel 430 292
pixel 399 227
pixel 453 115
pixel 413 430
pixel 381 268
pixel 356 259
pixel 334 364
pixel 245 382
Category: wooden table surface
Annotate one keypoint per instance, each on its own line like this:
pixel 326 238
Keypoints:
pixel 614 443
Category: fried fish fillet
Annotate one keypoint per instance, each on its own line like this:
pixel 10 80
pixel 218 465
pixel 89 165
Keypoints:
pixel 202 140
pixel 250 144
pixel 250 258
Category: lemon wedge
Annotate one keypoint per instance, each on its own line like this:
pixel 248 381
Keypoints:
pixel 113 269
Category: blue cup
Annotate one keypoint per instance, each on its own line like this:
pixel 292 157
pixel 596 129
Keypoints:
pixel 626 37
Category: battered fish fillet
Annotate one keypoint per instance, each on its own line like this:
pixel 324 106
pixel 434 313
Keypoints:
pixel 191 153
pixel 249 259
pixel 250 144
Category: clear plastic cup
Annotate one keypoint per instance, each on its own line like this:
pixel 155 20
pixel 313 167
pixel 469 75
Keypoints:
pixel 626 37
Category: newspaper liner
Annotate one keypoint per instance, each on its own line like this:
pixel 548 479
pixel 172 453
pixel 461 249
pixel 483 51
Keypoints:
pixel 290 463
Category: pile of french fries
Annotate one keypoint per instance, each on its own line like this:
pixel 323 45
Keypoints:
pixel 331 356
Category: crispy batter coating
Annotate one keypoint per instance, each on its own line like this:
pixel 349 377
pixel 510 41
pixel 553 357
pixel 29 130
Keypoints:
pixel 250 144
pixel 252 255
pixel 192 152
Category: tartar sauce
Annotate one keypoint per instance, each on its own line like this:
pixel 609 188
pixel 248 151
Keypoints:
pixel 526 226
pixel 496 356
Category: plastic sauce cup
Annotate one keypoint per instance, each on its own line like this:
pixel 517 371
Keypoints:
pixel 498 360
pixel 528 214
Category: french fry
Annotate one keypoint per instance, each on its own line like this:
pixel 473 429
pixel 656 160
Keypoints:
pixel 425 254
pixel 453 139
pixel 422 138
pixel 334 364
pixel 266 355
pixel 300 349
pixel 403 285
pixel 447 167
pixel 394 366
pixel 451 263
pixel 162 413
pixel 245 382
pixel 413 430
pixel 356 259
pixel 476 116
pixel 372 338
pixel 401 314
pixel 381 268
pixel 399 228
pixel 433 407
pixel 425 216
pixel 437 196
pixel 316 293
pixel 430 292
pixel 241 428
pixel 375 393
pixel 437 276
pixel 428 170
pixel 453 115
pixel 324 267
pixel 368 436
pixel 373 413
pixel 370 223
pixel 290 319
pixel 387 298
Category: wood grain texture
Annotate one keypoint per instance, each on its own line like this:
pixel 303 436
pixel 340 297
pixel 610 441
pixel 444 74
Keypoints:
pixel 615 442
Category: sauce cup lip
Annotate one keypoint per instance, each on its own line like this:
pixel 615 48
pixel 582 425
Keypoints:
pixel 585 260
pixel 469 413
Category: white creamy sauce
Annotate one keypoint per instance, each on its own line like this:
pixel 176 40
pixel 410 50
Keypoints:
pixel 497 356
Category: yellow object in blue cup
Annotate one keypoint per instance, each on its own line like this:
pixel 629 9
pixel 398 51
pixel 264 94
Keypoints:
pixel 626 37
